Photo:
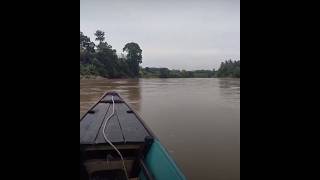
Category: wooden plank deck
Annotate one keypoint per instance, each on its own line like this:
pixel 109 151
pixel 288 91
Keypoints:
pixel 91 123
pixel 132 129
pixel 123 127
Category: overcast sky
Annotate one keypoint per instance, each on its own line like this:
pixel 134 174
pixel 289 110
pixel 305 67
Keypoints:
pixel 179 34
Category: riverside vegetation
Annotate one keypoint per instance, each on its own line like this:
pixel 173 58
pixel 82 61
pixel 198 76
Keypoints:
pixel 101 60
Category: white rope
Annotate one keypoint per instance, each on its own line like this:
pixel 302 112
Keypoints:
pixel 108 141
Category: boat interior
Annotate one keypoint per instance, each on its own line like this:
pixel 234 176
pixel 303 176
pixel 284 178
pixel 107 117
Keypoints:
pixel 111 120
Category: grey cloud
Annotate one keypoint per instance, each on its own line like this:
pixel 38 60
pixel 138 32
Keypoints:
pixel 176 34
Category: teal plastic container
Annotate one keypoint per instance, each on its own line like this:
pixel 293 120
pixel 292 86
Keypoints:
pixel 161 165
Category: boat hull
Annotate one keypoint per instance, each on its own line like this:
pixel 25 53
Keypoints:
pixel 160 164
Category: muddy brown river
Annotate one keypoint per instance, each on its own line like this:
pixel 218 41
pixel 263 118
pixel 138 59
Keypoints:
pixel 198 120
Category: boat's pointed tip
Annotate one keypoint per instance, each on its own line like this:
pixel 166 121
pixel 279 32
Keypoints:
pixel 114 93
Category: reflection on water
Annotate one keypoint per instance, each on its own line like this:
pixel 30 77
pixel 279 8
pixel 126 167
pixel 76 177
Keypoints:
pixel 198 120
pixel 230 89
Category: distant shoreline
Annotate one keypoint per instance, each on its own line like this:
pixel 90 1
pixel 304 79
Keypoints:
pixel 101 78
pixel 92 77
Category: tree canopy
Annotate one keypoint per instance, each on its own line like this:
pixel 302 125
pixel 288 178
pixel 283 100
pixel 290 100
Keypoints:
pixel 102 60
pixel 134 57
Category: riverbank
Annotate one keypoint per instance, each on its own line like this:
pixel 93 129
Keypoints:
pixel 149 77
pixel 228 68
pixel 91 77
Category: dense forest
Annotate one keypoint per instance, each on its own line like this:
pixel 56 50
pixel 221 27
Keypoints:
pixel 227 69
pixel 101 60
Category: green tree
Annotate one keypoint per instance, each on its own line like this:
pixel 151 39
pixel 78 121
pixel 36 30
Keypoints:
pixel 164 73
pixel 106 57
pixel 99 36
pixel 133 57
pixel 85 43
pixel 229 68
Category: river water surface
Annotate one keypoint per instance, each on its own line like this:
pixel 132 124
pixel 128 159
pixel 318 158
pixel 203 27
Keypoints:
pixel 198 120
